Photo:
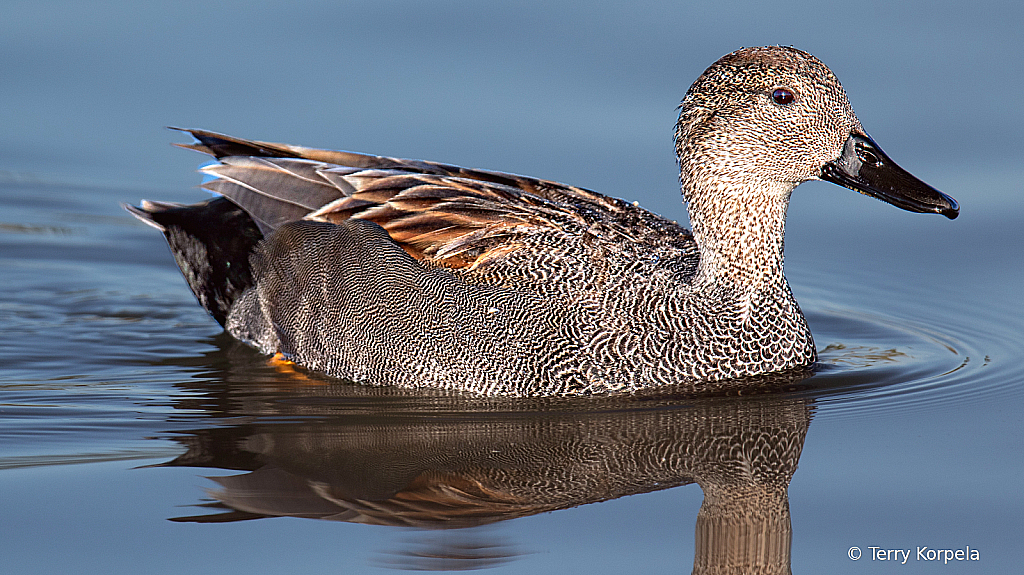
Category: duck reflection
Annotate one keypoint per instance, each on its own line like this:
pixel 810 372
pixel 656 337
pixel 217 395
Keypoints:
pixel 435 461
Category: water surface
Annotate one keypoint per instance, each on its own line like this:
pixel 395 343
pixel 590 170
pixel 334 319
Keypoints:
pixel 120 397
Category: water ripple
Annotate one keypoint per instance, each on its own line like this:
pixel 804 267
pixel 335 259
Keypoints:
pixel 914 358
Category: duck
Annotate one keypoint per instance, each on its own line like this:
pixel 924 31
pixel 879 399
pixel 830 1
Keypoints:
pixel 396 272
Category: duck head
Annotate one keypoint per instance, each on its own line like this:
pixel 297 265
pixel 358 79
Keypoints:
pixel 760 121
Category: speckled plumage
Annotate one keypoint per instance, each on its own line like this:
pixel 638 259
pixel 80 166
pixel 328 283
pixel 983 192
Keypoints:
pixel 401 272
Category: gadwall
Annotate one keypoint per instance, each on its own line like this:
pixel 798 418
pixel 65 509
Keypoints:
pixel 402 272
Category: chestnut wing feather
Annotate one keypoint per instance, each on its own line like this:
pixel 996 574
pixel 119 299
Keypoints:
pixel 456 217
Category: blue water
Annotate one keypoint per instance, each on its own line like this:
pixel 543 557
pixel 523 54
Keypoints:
pixel 119 396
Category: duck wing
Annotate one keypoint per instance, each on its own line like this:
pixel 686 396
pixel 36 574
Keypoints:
pixel 452 216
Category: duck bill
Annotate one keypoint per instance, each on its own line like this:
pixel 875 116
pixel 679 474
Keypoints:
pixel 865 168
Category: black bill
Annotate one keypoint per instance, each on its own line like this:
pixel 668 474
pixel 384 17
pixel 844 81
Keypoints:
pixel 864 167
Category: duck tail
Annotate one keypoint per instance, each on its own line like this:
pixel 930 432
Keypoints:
pixel 211 242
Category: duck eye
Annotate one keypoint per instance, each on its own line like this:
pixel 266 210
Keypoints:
pixel 782 96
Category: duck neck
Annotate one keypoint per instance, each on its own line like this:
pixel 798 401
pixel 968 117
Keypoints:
pixel 741 237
